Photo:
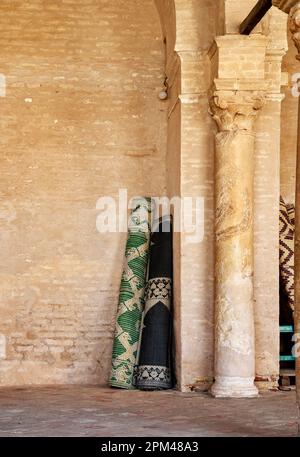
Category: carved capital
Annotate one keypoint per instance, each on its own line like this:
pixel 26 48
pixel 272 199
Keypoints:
pixel 284 5
pixel 294 22
pixel 236 110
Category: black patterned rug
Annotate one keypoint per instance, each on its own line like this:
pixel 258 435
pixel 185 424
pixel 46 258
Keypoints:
pixel 154 370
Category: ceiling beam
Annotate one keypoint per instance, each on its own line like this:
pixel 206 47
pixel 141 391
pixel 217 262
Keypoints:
pixel 255 16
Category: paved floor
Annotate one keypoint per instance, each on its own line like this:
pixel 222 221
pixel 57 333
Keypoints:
pixel 96 411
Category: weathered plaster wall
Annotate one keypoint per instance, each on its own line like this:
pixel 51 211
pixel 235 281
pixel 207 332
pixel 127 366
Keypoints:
pixel 80 120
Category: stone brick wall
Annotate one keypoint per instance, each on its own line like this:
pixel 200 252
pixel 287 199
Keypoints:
pixel 81 118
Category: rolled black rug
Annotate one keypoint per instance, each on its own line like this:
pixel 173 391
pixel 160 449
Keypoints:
pixel 154 369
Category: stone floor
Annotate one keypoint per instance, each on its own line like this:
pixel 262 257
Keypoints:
pixel 96 411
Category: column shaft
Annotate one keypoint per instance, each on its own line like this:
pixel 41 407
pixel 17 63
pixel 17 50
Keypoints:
pixel 234 314
pixel 235 356
pixel 294 22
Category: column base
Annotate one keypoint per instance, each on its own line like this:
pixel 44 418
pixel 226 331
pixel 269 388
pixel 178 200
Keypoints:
pixel 234 387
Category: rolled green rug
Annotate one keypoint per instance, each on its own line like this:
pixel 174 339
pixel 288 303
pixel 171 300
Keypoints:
pixel 131 298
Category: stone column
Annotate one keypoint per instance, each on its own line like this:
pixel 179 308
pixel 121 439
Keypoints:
pixel 266 205
pixel 294 22
pixel 234 112
pixel 190 174
pixel 294 25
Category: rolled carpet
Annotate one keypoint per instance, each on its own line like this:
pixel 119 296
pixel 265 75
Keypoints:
pixel 131 298
pixel 154 369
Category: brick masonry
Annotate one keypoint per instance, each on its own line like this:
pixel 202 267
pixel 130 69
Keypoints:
pixel 81 119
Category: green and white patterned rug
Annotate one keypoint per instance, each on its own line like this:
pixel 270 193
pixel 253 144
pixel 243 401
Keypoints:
pixel 131 298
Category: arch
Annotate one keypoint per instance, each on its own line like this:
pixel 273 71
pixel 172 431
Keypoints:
pixel 167 13
pixel 190 24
